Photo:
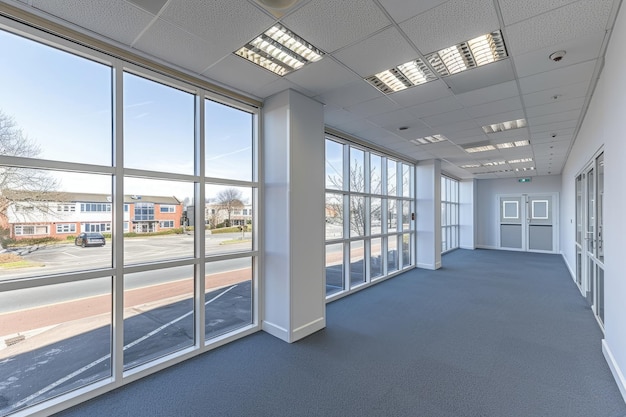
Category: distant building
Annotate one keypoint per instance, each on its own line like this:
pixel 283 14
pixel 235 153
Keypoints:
pixel 59 214
pixel 215 214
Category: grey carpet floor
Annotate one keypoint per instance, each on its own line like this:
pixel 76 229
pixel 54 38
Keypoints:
pixel 492 333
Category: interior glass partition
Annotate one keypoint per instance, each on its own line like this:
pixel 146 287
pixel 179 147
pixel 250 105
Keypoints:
pixel 370 216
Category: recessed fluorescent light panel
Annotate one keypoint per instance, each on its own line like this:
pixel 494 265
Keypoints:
pixel 279 50
pixel 515 144
pixel 428 139
pixel 403 76
pixel 476 52
pixel 483 148
pixel 520 161
pixel 501 127
pixel 493 163
pixel 470 166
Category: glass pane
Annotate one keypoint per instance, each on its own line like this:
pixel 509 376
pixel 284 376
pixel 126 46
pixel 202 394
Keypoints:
pixel 158 126
pixel 406 250
pixel 228 296
pixel 357 263
pixel 444 195
pixel 51 332
pixel 228 137
pixel 375 216
pixel 375 174
pixel 357 216
pixel 444 214
pixel 392 177
pixel 46 216
pixel 334 165
pixel 334 216
pixel 591 210
pixel 334 268
pixel 406 180
pixel 357 178
pixel 376 258
pixel 444 243
pixel 579 209
pixel 406 215
pixel 228 218
pixel 392 216
pixel 392 254
pixel 48 115
pixel 158 314
pixel 600 219
pixel 600 293
pixel 154 212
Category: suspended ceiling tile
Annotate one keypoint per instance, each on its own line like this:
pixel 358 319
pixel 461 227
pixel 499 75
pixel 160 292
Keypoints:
pixel 576 20
pixel 379 105
pixel 402 10
pixel 416 129
pixel 552 127
pixel 487 94
pixel 235 71
pixel 421 94
pixel 557 106
pixel 226 25
pixel 350 94
pixel 394 118
pixel 330 25
pixel 515 10
pixel 565 92
pixel 176 46
pixel 450 23
pixel 335 115
pixel 377 53
pixel 464 137
pixel 509 135
pixel 443 105
pixel 450 128
pixel 440 119
pixel 495 107
pixel 481 77
pixel 115 19
pixel 577 50
pixel 322 76
pixel 554 118
pixel 559 77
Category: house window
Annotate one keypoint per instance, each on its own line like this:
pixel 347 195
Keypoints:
pixel 96 227
pixel 144 211
pixel 66 207
pixel 167 208
pixel 22 230
pixel 166 223
pixel 97 207
pixel 66 228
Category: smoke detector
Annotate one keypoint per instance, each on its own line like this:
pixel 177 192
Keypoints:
pixel 557 56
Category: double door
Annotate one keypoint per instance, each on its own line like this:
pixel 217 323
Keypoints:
pixel 527 222
pixel 589 234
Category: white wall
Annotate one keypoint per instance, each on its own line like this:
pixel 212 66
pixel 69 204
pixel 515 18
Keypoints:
pixel 604 126
pixel 487 214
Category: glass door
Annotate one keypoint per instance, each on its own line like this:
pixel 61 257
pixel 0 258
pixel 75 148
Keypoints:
pixel 589 235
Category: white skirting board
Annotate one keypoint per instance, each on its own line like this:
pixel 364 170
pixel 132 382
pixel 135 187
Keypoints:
pixel 615 370
pixel 297 334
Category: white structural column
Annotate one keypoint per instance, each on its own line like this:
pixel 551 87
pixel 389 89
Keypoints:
pixel 467 214
pixel 428 221
pixel 293 301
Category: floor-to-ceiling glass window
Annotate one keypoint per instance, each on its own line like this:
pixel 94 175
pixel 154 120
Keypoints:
pixel 449 214
pixel 370 214
pixel 127 219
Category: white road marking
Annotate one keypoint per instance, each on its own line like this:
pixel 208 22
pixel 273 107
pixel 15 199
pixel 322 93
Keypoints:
pixel 107 356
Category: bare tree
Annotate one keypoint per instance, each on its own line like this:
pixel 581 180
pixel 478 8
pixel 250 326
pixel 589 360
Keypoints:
pixel 357 208
pixel 229 199
pixel 30 188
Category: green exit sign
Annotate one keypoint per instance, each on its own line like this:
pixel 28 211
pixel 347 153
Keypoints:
pixel 527 179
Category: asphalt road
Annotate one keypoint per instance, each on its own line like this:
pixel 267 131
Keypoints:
pixel 31 376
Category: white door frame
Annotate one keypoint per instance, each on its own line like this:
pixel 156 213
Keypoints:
pixel 525 220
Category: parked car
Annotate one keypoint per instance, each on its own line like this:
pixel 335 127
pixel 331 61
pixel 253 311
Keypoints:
pixel 89 239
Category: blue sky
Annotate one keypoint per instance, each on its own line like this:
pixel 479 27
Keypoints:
pixel 63 103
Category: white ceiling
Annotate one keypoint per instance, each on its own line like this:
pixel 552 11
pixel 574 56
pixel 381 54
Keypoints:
pixel 363 37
